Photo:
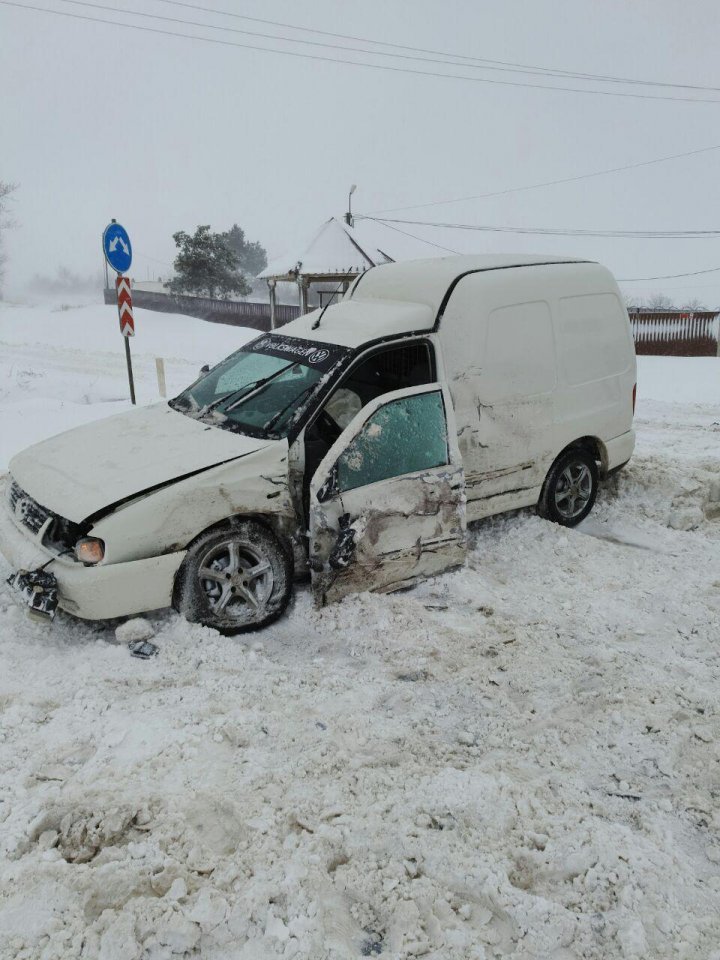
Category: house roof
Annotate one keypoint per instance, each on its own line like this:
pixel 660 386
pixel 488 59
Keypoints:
pixel 338 249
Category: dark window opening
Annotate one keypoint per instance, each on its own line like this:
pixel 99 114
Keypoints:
pixel 393 368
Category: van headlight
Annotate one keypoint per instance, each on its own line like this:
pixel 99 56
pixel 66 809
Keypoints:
pixel 89 550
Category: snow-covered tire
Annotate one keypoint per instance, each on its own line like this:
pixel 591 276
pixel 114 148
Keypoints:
pixel 235 578
pixel 570 488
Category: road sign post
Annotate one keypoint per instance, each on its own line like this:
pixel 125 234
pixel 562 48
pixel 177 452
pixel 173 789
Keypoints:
pixel 131 379
pixel 118 253
pixel 127 324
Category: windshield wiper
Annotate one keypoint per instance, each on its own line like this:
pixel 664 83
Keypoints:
pixel 295 400
pixel 244 392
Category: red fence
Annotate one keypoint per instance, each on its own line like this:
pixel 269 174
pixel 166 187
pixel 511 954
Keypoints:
pixel 671 333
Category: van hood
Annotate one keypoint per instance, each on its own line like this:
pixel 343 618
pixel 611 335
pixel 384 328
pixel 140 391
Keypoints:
pixel 78 473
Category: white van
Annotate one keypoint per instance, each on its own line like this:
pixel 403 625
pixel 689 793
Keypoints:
pixel 355 444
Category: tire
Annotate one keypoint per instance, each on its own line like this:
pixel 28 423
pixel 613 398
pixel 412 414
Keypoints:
pixel 570 488
pixel 235 578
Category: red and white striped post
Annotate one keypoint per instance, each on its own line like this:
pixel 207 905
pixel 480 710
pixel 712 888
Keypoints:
pixel 127 323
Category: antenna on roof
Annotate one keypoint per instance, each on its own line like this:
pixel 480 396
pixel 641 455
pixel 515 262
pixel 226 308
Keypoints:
pixel 344 280
pixel 348 215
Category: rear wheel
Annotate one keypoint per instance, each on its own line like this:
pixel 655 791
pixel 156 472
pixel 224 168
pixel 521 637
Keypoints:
pixel 234 578
pixel 570 488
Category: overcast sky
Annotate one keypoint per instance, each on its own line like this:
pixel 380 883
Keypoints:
pixel 97 121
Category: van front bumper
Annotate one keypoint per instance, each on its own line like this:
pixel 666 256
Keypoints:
pixel 93 593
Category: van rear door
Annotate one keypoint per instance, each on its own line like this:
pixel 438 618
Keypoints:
pixel 387 503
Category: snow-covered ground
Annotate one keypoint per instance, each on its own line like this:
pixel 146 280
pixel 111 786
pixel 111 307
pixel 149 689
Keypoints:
pixel 60 367
pixel 517 760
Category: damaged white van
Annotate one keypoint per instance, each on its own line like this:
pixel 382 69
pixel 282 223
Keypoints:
pixel 353 444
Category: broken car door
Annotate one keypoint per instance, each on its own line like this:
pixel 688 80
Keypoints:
pixel 387 503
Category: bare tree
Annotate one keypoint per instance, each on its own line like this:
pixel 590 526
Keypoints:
pixel 632 302
pixel 694 305
pixel 658 301
pixel 6 190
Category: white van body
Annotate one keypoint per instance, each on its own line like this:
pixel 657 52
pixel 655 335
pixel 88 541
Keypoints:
pixel 509 361
pixel 536 356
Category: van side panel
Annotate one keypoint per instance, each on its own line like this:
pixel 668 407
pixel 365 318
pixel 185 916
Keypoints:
pixel 498 343
pixel 596 365
pixel 536 358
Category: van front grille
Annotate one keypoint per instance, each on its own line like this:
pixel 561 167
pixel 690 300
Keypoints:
pixel 28 511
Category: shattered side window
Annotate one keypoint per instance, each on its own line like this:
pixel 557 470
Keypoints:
pixel 403 436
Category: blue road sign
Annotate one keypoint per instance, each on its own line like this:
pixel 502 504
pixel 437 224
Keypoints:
pixel 117 247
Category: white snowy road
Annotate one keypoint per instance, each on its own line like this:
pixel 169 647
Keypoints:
pixel 517 760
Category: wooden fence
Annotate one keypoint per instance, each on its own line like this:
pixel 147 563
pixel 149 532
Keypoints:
pixel 671 333
pixel 237 313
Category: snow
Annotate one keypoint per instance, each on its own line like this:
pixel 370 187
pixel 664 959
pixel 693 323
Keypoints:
pixel 680 379
pixel 518 759
pixel 60 367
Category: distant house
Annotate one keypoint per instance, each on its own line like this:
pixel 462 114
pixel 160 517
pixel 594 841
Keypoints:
pixel 322 269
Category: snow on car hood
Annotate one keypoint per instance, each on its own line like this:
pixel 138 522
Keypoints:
pixel 79 472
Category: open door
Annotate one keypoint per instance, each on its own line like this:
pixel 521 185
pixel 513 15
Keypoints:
pixel 387 503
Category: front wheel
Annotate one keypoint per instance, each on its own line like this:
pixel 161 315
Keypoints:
pixel 570 488
pixel 234 578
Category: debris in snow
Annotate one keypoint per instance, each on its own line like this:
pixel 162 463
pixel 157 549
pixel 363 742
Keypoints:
pixel 143 649
pixel 135 630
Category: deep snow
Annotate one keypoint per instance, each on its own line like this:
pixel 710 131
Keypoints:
pixel 519 759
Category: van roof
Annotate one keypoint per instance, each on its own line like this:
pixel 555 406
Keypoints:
pixel 397 298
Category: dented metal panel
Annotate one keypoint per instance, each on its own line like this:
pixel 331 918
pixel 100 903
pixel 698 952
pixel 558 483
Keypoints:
pixel 168 519
pixel 387 534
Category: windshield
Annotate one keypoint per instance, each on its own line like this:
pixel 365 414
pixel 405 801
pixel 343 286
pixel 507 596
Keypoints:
pixel 264 388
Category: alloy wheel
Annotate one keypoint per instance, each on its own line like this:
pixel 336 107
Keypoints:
pixel 237 580
pixel 573 490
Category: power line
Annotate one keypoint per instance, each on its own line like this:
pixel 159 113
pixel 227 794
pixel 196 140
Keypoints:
pixel 421 239
pixel 482 62
pixel 547 183
pixel 560 232
pixel 669 276
pixel 334 46
pixel 355 63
